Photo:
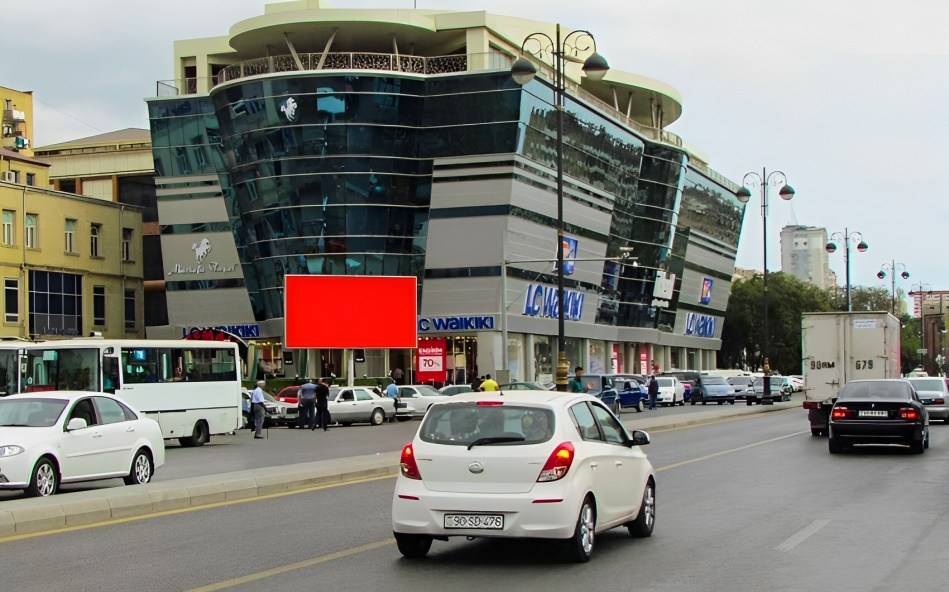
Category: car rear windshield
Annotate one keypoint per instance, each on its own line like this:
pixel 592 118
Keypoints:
pixel 713 380
pixel 462 424
pixel 34 413
pixel 929 384
pixel 875 390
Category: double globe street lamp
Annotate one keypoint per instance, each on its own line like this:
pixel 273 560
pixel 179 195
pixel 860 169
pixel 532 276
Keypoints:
pixel 775 179
pixel 847 237
pixel 523 71
pixel 893 268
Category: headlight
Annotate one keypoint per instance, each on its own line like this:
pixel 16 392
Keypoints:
pixel 10 450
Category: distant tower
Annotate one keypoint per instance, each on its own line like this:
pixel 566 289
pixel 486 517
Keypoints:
pixel 803 255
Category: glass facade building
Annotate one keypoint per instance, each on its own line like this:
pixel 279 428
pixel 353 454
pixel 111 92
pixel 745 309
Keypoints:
pixel 447 177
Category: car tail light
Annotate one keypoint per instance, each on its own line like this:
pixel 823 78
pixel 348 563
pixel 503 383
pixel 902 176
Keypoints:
pixel 841 413
pixel 558 463
pixel 909 414
pixel 408 465
pixel 812 404
pixel 939 401
pixel 489 403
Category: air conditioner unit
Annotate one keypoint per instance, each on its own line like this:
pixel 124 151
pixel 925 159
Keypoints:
pixel 8 176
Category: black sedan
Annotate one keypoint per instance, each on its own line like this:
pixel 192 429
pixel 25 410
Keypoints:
pixel 885 411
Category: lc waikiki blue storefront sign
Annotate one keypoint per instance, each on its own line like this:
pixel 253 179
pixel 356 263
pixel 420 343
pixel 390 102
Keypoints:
pixel 465 323
pixel 242 331
pixel 541 301
pixel 700 325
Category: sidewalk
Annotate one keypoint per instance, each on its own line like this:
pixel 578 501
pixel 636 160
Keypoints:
pixel 33 515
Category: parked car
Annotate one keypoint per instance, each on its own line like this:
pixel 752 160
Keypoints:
pixel 455 389
pixel 288 394
pixel 56 437
pixel 743 385
pixel 630 390
pixel 797 382
pixel 934 394
pixel 780 390
pixel 671 391
pixel 601 387
pixel 690 382
pixel 276 413
pixel 358 404
pixel 882 411
pixel 489 458
pixel 712 389
pixel 415 399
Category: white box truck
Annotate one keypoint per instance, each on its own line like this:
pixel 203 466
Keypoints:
pixel 838 347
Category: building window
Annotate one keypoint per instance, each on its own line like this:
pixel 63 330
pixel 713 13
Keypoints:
pixel 11 300
pixel 98 305
pixel 55 303
pixel 94 231
pixel 31 179
pixel 126 244
pixel 70 231
pixel 130 310
pixel 9 217
pixel 30 224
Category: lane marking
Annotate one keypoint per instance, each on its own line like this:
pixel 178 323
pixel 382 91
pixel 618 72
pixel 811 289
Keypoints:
pixel 730 451
pixel 111 522
pixel 282 569
pixel 896 470
pixel 804 534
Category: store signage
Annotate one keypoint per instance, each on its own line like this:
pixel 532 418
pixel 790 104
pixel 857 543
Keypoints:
pixel 430 360
pixel 542 301
pixel 705 296
pixel 465 323
pixel 700 325
pixel 202 249
pixel 289 109
pixel 569 245
pixel 242 331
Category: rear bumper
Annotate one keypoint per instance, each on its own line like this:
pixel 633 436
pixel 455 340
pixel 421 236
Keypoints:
pixel 938 411
pixel 876 432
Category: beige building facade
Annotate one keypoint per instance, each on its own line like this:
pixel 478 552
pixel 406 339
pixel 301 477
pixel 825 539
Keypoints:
pixel 70 265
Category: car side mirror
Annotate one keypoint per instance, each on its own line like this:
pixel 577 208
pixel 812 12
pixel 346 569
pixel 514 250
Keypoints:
pixel 639 438
pixel 76 423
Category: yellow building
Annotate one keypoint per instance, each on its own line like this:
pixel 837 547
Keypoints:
pixel 71 265
pixel 16 120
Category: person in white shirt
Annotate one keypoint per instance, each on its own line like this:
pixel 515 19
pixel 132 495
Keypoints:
pixel 257 408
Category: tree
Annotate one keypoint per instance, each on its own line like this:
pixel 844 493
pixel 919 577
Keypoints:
pixel 743 333
pixel 862 298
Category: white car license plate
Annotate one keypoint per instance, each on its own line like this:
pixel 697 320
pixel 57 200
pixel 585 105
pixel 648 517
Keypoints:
pixel 873 413
pixel 477 521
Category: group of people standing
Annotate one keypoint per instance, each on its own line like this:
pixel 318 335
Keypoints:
pixel 575 385
pixel 312 400
pixel 484 384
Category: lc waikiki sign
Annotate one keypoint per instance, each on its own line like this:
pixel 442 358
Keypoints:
pixel 542 301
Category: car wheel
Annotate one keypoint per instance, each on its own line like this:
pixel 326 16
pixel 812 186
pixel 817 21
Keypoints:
pixel 378 416
pixel 617 408
pixel 142 469
pixel 45 479
pixel 732 402
pixel 693 402
pixel 199 435
pixel 834 445
pixel 643 524
pixel 817 432
pixel 413 546
pixel 916 446
pixel 580 546
pixel 639 407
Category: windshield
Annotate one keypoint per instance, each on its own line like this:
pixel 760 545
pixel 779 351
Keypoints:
pixel 429 391
pixel 33 413
pixel 664 381
pixel 875 389
pixel 463 424
pixel 713 380
pixel 929 384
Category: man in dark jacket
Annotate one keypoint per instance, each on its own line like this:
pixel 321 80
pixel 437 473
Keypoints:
pixel 653 391
pixel 322 411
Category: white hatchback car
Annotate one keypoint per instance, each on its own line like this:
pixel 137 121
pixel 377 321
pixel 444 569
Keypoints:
pixel 671 391
pixel 57 437
pixel 522 464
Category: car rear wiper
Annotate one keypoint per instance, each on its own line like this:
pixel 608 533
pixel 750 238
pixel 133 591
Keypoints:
pixel 496 440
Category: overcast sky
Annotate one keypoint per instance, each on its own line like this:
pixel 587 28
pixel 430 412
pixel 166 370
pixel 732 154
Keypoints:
pixel 849 98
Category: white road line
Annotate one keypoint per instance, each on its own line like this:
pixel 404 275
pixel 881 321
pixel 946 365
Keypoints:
pixel 803 535
pixel 896 470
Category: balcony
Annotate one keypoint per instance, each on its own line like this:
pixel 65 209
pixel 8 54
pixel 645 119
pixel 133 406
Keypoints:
pixel 14 116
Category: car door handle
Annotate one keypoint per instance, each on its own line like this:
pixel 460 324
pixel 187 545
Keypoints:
pixel 619 463
pixel 130 429
pixel 97 435
pixel 594 465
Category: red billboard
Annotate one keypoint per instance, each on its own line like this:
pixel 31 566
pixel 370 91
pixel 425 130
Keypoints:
pixel 345 311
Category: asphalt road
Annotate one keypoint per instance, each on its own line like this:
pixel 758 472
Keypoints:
pixel 748 504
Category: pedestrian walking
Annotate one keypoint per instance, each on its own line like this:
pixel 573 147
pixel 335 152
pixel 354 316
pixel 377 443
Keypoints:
pixel 396 375
pixel 322 411
pixel 489 384
pixel 307 398
pixel 575 384
pixel 257 409
pixel 392 391
pixel 653 391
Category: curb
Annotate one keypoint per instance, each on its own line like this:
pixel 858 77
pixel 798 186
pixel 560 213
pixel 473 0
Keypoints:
pixel 36 515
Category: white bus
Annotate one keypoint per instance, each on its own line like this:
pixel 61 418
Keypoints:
pixel 191 388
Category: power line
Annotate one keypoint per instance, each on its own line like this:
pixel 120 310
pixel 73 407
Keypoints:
pixel 45 104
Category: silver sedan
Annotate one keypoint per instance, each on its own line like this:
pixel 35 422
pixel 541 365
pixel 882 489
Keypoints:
pixel 358 404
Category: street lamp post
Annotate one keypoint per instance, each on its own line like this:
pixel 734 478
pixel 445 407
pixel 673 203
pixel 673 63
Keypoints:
pixel 892 267
pixel 846 237
pixel 523 71
pixel 775 178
